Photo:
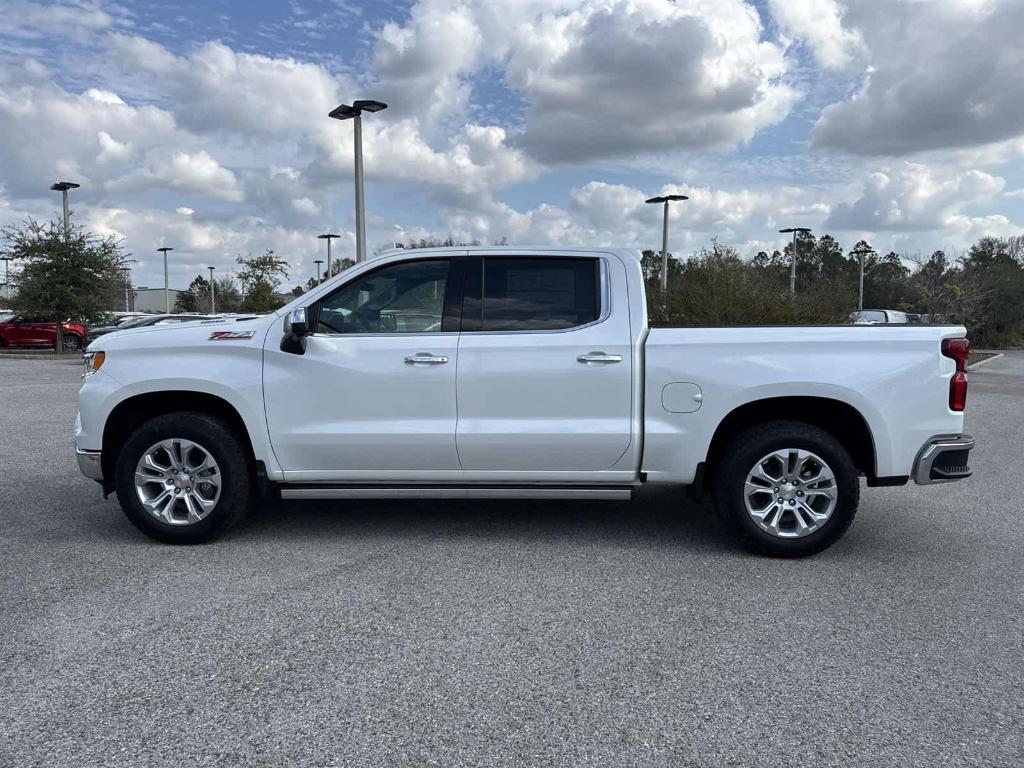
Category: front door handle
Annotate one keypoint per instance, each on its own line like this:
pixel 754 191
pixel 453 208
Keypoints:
pixel 425 358
pixel 598 358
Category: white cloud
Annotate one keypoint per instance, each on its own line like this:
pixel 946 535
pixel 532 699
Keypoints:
pixel 820 24
pixel 198 173
pixel 943 74
pixel 28 19
pixel 913 197
pixel 616 215
pixel 90 137
pixel 305 206
pixel 422 65
pixel 600 79
pixel 646 76
pixel 200 242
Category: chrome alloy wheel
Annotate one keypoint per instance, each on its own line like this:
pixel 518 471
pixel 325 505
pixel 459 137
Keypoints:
pixel 178 481
pixel 790 493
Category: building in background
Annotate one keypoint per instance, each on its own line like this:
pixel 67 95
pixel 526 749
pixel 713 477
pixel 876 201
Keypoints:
pixel 152 299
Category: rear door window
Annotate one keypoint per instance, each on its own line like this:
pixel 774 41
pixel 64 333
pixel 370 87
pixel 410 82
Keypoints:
pixel 539 294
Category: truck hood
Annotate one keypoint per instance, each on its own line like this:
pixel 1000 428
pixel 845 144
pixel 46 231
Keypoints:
pixel 198 333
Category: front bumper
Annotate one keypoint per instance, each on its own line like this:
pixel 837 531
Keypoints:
pixel 90 464
pixel 943 459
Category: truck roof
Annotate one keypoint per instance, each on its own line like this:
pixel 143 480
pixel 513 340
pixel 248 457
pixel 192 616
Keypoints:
pixel 532 250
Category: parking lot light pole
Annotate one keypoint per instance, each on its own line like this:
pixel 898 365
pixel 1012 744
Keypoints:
pixel 7 276
pixel 318 262
pixel 328 236
pixel 213 311
pixel 63 187
pixel 862 253
pixel 167 290
pixel 792 266
pixel 354 112
pixel 666 199
pixel 126 270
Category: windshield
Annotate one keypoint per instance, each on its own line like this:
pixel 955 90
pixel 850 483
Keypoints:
pixel 136 322
pixel 869 316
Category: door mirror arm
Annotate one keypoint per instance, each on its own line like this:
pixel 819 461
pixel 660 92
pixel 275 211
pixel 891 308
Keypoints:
pixel 296 329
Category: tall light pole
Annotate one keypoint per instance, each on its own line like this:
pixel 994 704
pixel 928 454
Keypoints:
pixel 7 276
pixel 328 236
pixel 213 310
pixel 354 112
pixel 63 187
pixel 167 290
pixel 126 270
pixel 666 199
pixel 792 266
pixel 862 253
pixel 318 262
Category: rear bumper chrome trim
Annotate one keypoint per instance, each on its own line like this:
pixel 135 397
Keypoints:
pixel 90 464
pixel 455 492
pixel 929 467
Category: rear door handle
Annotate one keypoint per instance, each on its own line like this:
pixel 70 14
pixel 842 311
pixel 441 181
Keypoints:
pixel 598 358
pixel 425 358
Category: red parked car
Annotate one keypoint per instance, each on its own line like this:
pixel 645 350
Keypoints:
pixel 26 331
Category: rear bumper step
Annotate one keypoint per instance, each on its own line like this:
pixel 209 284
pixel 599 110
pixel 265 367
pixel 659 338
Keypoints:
pixel 606 493
pixel 943 459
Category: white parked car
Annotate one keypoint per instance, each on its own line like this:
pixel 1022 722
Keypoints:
pixel 879 317
pixel 515 373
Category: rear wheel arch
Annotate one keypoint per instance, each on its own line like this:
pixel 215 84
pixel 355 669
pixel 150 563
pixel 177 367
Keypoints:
pixel 841 420
pixel 133 412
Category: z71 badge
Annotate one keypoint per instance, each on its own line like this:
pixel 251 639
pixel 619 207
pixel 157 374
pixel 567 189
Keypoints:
pixel 231 335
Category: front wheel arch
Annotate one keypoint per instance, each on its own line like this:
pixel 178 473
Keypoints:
pixel 134 411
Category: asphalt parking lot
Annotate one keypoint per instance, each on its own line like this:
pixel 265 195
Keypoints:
pixel 451 634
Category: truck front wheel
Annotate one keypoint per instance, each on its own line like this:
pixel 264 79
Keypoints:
pixel 786 489
pixel 184 478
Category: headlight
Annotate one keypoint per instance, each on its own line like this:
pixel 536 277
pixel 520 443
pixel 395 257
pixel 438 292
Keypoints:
pixel 93 361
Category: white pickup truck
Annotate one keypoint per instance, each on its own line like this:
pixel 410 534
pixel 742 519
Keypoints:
pixel 515 373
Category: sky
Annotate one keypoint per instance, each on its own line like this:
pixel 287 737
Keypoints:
pixel 202 125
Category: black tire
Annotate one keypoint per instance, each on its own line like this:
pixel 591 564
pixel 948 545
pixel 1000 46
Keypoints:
pixel 741 455
pixel 72 343
pixel 225 446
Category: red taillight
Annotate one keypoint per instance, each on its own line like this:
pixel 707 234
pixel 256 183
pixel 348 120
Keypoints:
pixel 958 350
pixel 958 392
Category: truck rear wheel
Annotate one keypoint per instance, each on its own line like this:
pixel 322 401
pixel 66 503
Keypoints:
pixel 786 489
pixel 184 478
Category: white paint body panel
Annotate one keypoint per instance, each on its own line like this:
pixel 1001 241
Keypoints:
pixel 518 407
pixel 893 376
pixel 352 403
pixel 526 403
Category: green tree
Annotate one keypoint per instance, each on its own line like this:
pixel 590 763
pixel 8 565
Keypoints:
pixel 718 287
pixel 437 242
pixel 260 277
pixel 650 263
pixel 195 298
pixel 77 277
pixel 338 265
pixel 227 296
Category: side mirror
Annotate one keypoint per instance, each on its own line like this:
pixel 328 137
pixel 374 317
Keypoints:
pixel 295 322
pixel 296 329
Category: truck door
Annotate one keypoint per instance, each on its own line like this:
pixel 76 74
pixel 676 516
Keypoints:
pixel 374 392
pixel 545 370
